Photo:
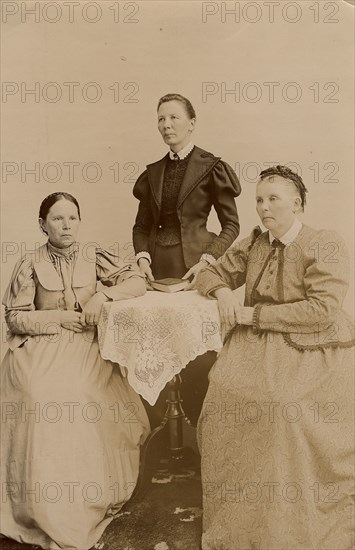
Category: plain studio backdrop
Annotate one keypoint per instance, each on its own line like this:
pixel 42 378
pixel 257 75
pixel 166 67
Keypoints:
pixel 271 83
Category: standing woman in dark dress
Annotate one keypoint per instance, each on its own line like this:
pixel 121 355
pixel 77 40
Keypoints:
pixel 176 195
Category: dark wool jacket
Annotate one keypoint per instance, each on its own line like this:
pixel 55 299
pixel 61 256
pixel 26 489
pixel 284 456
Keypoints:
pixel 208 181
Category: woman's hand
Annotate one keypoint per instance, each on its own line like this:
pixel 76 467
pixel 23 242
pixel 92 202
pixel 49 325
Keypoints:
pixel 193 272
pixel 229 309
pixel 70 320
pixel 91 312
pixel 144 267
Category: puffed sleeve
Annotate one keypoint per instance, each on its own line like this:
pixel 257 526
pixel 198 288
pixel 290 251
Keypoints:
pixel 325 283
pixel 20 314
pixel 225 187
pixel 144 218
pixel 120 282
pixel 230 269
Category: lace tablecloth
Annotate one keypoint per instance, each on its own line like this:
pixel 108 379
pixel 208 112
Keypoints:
pixel 156 335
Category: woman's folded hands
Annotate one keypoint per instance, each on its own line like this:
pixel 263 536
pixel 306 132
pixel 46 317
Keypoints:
pixel 231 312
pixel 91 312
pixel 81 321
pixel 70 320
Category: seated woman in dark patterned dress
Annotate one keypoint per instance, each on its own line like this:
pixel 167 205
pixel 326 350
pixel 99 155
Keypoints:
pixel 277 424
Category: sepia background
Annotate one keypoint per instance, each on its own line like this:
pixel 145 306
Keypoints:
pixel 271 82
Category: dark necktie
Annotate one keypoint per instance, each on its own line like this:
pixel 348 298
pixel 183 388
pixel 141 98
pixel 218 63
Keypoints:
pixel 279 256
pixel 277 244
pixel 176 156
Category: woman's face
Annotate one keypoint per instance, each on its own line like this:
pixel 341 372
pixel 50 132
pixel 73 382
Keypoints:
pixel 277 203
pixel 175 125
pixel 62 223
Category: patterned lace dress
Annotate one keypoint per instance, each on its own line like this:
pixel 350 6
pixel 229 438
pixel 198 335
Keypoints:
pixel 276 429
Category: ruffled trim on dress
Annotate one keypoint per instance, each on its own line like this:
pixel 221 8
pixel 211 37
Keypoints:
pixel 315 347
pixel 338 335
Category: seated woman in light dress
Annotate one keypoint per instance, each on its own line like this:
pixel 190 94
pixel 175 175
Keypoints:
pixel 276 428
pixel 72 425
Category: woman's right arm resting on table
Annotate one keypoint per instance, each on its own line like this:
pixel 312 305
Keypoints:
pixel 121 282
pixel 20 314
pixel 229 271
pixel 225 275
pixel 325 282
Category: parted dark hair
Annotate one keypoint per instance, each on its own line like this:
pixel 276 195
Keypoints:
pixel 288 174
pixel 51 199
pixel 177 97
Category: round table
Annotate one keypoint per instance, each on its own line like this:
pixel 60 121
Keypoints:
pixel 152 338
pixel 156 335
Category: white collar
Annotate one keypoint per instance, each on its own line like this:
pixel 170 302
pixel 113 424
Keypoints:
pixel 183 152
pixel 290 235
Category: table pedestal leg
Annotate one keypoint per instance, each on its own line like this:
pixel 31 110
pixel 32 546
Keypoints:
pixel 173 419
pixel 175 415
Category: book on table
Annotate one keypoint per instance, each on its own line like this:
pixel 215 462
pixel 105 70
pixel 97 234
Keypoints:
pixel 170 284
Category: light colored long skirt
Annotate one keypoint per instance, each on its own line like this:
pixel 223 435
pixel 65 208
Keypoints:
pixel 71 435
pixel 276 437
